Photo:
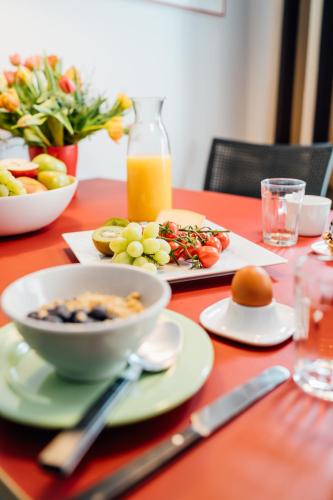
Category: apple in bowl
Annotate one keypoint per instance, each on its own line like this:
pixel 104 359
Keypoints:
pixel 28 202
pixel 19 167
pixel 32 185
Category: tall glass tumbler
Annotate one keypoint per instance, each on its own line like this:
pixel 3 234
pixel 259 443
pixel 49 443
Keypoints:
pixel 281 205
pixel 314 326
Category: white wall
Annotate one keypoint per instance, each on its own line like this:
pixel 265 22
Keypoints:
pixel 217 73
pixel 263 60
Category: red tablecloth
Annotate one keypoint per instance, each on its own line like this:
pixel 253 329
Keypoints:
pixel 280 448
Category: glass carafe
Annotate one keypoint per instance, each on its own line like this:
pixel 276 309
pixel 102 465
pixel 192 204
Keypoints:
pixel 149 188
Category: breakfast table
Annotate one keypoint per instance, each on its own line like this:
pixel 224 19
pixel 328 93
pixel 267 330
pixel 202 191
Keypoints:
pixel 282 447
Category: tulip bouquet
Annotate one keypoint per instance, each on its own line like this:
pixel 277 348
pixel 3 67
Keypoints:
pixel 48 107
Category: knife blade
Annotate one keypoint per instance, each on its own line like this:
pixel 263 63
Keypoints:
pixel 203 424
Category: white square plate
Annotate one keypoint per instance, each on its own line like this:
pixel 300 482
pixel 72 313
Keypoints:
pixel 240 253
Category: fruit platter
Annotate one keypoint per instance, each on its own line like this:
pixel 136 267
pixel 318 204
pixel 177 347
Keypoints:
pixel 179 246
pixel 25 185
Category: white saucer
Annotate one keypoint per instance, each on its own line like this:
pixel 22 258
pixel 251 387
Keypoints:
pixel 321 248
pixel 258 326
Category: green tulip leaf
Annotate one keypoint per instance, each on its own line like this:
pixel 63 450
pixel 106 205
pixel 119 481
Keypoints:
pixel 30 120
pixel 57 130
pixel 31 137
pixel 62 118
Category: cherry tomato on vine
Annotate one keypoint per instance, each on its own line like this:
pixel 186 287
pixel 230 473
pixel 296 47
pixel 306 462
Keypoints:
pixel 171 230
pixel 224 239
pixel 176 250
pixel 192 249
pixel 208 256
pixel 181 234
pixel 214 242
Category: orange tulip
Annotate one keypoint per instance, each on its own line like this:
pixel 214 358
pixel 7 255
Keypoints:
pixel 10 100
pixel 10 77
pixel 53 60
pixel 66 84
pixel 124 101
pixel 33 62
pixel 15 59
pixel 115 128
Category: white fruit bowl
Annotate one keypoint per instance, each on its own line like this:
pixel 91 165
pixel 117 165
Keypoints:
pixel 29 212
pixel 86 351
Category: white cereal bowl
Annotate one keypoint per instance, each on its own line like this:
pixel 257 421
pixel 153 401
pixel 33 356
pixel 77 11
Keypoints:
pixel 91 351
pixel 29 212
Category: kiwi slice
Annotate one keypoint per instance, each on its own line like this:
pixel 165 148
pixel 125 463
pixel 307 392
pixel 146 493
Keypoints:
pixel 102 237
pixel 116 221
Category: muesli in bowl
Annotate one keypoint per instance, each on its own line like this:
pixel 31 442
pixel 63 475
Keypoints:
pixel 89 307
pixel 86 350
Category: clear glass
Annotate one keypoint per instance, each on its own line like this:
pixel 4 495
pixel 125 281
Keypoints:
pixel 281 205
pixel 149 184
pixel 314 326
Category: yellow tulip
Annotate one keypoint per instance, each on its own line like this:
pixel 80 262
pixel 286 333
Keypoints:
pixel 3 82
pixel 10 100
pixel 115 128
pixel 124 101
pixel 24 74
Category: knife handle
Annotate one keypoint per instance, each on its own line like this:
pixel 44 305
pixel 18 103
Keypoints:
pixel 130 475
pixel 64 452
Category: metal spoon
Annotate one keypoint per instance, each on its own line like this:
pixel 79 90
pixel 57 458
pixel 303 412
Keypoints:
pixel 158 353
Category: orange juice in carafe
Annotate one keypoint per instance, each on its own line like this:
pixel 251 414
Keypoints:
pixel 148 186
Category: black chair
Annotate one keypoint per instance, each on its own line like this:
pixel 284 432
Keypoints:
pixel 238 167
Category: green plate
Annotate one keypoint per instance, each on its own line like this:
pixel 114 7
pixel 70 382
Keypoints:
pixel 31 392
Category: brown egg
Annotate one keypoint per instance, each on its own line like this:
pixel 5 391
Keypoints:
pixel 252 286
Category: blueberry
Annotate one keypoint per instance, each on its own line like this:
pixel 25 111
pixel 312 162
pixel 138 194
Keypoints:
pixel 63 312
pixel 98 313
pixel 73 316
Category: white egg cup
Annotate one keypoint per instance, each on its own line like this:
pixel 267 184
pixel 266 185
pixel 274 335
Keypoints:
pixel 253 319
pixel 260 326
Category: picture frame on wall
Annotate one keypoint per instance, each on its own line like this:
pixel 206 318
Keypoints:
pixel 212 7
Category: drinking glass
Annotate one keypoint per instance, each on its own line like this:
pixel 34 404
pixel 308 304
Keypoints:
pixel 281 205
pixel 149 189
pixel 314 326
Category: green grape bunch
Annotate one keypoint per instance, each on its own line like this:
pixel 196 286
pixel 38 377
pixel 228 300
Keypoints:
pixel 141 247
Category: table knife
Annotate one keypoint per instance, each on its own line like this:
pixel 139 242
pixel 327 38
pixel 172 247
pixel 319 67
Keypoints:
pixel 203 424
